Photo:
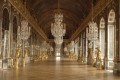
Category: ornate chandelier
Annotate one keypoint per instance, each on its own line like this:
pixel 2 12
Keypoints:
pixel 58 28
pixel 92 34
pixel 93 31
pixel 58 40
pixel 25 30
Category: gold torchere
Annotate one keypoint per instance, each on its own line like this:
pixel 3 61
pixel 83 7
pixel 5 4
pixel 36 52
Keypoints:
pixel 80 56
pixel 91 56
pixel 44 55
pixel 99 62
pixel 115 58
pixel 81 59
pixel 16 58
pixel 23 58
pixel 72 56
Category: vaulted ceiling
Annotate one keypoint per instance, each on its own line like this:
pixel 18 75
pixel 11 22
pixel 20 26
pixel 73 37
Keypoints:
pixel 74 11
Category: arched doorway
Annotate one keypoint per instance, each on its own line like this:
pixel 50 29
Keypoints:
pixel 102 38
pixel 111 39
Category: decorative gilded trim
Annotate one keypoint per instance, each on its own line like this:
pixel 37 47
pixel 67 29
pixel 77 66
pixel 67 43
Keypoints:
pixel 26 14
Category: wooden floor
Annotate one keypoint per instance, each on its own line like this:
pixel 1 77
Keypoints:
pixel 57 70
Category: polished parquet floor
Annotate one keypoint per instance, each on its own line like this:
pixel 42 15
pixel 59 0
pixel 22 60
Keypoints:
pixel 57 70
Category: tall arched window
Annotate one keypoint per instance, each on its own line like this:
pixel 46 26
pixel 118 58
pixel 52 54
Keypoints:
pixel 5 23
pixel 102 38
pixel 15 29
pixel 111 37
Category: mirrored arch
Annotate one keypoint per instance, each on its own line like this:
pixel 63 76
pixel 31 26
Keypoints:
pixel 102 38
pixel 111 38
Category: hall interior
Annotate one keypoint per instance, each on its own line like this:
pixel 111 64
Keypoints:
pixel 59 39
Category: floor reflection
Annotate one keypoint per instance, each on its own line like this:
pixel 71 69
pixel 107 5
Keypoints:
pixel 63 70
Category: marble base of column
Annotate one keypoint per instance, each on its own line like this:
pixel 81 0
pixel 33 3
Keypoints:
pixel 116 70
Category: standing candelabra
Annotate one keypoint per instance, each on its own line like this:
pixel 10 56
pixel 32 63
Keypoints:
pixel 92 36
pixel 25 33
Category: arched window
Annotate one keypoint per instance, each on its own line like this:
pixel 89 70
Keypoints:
pixel 15 29
pixel 5 23
pixel 5 36
pixel 111 37
pixel 102 38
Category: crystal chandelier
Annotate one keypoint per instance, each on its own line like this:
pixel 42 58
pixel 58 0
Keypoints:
pixel 25 30
pixel 92 33
pixel 58 40
pixel 58 28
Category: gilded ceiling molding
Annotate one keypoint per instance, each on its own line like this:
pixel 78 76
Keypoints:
pixel 26 14
pixel 97 9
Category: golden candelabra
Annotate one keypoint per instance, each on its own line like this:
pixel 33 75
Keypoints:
pixel 16 58
pixel 23 58
pixel 91 56
pixel 80 59
pixel 72 56
pixel 99 62
pixel 44 55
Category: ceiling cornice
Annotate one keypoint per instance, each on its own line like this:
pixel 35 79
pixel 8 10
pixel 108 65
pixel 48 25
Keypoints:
pixel 97 9
pixel 26 14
